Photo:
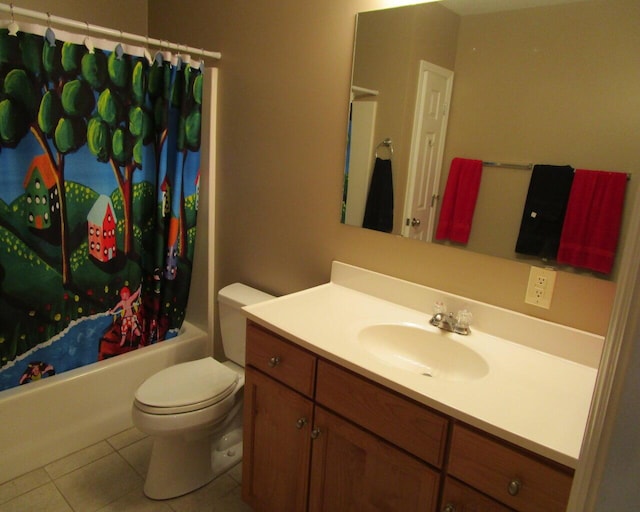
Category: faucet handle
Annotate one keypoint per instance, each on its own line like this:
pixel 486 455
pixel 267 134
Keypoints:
pixel 439 307
pixel 463 319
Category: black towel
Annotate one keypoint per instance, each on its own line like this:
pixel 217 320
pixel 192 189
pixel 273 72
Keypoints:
pixel 544 210
pixel 378 213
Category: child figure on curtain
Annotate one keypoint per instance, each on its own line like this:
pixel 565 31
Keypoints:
pixel 129 317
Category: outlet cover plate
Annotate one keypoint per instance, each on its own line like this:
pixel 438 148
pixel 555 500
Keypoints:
pixel 540 287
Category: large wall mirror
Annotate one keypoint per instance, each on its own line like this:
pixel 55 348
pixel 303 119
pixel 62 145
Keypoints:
pixel 553 84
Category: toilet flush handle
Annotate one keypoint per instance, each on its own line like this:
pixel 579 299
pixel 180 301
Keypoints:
pixel 274 361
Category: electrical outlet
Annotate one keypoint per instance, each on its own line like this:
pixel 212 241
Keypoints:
pixel 540 287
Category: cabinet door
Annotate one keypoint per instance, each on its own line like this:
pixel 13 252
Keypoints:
pixel 353 470
pixel 277 439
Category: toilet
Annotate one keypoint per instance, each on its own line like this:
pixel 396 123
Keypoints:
pixel 193 410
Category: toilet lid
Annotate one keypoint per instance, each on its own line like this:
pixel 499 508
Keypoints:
pixel 204 381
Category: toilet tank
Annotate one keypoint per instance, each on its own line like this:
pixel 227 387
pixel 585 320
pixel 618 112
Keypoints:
pixel 232 322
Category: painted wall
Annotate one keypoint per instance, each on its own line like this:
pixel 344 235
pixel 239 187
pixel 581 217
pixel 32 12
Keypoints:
pixel 125 15
pixel 285 75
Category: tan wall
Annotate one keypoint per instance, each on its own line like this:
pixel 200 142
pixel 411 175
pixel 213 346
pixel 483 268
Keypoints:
pixel 125 15
pixel 285 76
pixel 560 92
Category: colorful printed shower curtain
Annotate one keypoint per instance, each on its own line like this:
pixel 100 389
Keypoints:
pixel 99 176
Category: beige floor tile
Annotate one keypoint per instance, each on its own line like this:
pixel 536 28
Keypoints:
pixel 78 459
pixel 45 498
pixel 136 501
pixel 138 455
pixel 232 502
pixel 97 484
pixel 23 484
pixel 204 499
pixel 126 438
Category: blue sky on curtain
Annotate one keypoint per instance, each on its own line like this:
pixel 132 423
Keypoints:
pixel 99 180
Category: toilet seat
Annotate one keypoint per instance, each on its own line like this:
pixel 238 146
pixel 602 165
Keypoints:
pixel 186 387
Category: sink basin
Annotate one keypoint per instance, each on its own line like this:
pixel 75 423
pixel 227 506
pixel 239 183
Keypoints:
pixel 415 349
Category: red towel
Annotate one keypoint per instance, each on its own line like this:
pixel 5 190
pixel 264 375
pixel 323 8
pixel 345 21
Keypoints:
pixel 592 223
pixel 459 200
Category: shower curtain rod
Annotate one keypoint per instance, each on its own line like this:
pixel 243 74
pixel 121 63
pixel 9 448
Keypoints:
pixel 50 18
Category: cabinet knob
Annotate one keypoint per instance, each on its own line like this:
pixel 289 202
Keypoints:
pixel 301 423
pixel 274 361
pixel 315 433
pixel 514 487
pixel 449 508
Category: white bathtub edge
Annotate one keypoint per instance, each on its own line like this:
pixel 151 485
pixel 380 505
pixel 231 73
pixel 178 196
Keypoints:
pixel 45 421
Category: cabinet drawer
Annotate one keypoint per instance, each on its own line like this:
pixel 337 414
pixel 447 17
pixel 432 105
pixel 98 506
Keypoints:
pixel 405 423
pixel 458 497
pixel 518 479
pixel 280 359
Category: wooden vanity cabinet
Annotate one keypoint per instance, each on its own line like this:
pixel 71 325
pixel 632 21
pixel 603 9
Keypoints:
pixel 318 437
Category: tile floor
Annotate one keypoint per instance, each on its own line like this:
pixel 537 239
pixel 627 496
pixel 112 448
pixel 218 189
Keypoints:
pixel 108 477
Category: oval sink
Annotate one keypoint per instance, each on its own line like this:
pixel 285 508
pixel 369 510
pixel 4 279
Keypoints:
pixel 418 350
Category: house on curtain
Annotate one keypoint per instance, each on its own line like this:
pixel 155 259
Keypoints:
pixel 101 227
pixel 42 194
pixel 166 197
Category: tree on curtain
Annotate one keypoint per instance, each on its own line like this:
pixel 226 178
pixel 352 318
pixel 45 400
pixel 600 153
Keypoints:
pixel 99 172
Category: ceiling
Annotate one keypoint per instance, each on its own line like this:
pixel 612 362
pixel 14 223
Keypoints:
pixel 466 7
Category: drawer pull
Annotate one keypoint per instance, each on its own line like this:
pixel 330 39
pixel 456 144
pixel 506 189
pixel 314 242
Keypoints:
pixel 315 433
pixel 274 361
pixel 514 487
pixel 449 508
pixel 301 423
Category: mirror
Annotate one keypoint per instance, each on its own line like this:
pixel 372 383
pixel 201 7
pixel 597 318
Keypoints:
pixel 555 84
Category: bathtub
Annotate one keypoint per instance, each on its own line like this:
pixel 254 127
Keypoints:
pixel 45 420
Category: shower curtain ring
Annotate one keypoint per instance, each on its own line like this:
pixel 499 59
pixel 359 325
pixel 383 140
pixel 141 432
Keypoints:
pixel 13 26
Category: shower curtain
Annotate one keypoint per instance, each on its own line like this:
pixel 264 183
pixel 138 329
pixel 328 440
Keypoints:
pixel 99 178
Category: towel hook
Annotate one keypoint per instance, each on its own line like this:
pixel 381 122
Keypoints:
pixel 388 144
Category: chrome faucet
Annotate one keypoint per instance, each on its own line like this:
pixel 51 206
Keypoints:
pixel 449 322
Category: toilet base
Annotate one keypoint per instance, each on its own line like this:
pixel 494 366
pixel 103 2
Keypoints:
pixel 178 467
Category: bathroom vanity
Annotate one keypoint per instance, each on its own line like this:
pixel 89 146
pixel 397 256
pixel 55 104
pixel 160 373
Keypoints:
pixel 340 411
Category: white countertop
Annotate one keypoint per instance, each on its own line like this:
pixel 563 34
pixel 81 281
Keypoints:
pixel 529 397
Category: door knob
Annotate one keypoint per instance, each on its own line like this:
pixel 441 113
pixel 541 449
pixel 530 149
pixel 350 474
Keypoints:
pixel 301 423
pixel 415 222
